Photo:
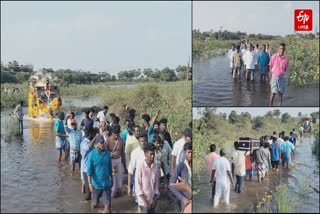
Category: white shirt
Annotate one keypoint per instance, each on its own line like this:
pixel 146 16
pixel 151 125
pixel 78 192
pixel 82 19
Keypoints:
pixel 230 55
pixel 137 158
pixel 250 59
pixel 222 165
pixel 178 149
pixel 243 51
pixel 301 128
pixel 69 123
pixel 102 116
pixel 280 141
pixel 19 112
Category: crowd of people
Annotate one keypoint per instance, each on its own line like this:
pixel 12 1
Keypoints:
pixel 146 153
pixel 250 59
pixel 273 150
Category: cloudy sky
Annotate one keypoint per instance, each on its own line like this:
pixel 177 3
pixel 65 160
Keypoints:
pixel 274 17
pixel 96 36
pixel 258 111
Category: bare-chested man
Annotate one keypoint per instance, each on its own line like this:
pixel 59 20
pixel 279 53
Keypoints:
pixel 116 146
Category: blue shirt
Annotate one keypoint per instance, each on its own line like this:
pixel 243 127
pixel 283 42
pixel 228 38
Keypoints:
pixel 59 127
pixel 287 147
pixel 75 138
pixel 124 135
pixel 85 151
pixel 87 123
pixel 100 169
pixel 275 156
pixel 263 59
pixel 151 134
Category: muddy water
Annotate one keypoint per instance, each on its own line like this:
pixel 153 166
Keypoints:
pixel 33 181
pixel 307 165
pixel 213 86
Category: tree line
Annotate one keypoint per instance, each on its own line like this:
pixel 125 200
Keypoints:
pixel 228 35
pixel 13 72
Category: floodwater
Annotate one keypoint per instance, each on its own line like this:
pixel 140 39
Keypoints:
pixel 33 181
pixel 213 85
pixel 307 165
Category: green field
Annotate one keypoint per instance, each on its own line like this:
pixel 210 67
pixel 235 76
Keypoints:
pixel 303 56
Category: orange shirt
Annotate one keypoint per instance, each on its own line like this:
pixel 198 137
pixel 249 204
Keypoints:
pixel 248 162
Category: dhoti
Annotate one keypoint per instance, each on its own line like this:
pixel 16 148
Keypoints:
pixel 117 169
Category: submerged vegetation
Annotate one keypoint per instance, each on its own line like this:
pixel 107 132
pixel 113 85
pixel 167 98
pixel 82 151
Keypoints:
pixel 302 51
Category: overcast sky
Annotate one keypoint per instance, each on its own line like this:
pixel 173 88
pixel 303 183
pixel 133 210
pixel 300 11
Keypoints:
pixel 96 36
pixel 273 17
pixel 258 111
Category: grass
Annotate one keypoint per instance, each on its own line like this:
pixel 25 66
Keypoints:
pixel 12 129
pixel 303 56
pixel 11 100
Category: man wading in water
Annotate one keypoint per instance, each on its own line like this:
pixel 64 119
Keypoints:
pixel 251 61
pixel 116 147
pixel 236 62
pixel 230 55
pixel 279 64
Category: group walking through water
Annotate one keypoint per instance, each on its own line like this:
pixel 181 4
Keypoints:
pixel 262 158
pixel 145 153
pixel 249 59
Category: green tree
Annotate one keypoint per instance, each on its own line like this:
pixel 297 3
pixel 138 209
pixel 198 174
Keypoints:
pixel 233 117
pixel 315 116
pixel 285 118
pixel 257 123
pixel 276 113
pixel 299 114
pixel 269 114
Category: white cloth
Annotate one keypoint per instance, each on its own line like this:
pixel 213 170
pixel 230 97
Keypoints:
pixel 69 123
pixel 222 165
pixel 250 59
pixel 102 116
pixel 243 51
pixel 230 54
pixel 280 141
pixel 239 162
pixel 137 158
pixel 178 150
pixel 221 188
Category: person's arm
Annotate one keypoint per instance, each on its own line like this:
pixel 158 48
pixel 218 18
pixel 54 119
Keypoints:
pixel 110 172
pixel 156 190
pixel 174 179
pixel 183 185
pixel 155 117
pixel 173 163
pixel 231 179
pixel 169 140
pixel 233 61
pixel 123 158
pixel 213 174
pixel 131 169
pixel 90 172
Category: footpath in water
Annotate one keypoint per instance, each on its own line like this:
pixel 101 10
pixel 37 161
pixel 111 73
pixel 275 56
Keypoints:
pixel 306 166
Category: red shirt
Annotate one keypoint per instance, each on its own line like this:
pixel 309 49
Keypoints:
pixel 248 162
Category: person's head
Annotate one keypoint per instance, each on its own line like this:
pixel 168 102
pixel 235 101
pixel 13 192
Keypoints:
pixel 142 140
pixel 274 133
pixel 86 114
pixel 156 127
pixel 257 45
pixel 212 148
pixel 72 115
pixel 132 114
pixel 161 135
pixel 105 109
pixel 89 133
pixel 266 145
pixel 136 131
pixel 274 139
pixel 74 124
pixel 293 130
pixel 61 115
pixel 283 133
pixel 222 152
pixel 238 48
pixel 286 138
pixel 21 103
pixel 244 46
pixel 236 145
pixel 250 47
pixel 100 143
pixel 263 48
pixel 187 135
pixel 291 133
pixel 115 131
pixel 282 48
pixel 261 143
pixel 91 112
pixel 268 45
pixel 108 130
pixel 47 82
pixel 232 46
pixel 112 117
pixel 187 148
pixel 163 124
pixel 103 125
pixel 116 120
pixel 157 141
pixel 145 119
pixel 130 127
pixel 149 152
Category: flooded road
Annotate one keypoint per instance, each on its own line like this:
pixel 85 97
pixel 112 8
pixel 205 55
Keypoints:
pixel 213 85
pixel 33 181
pixel 307 166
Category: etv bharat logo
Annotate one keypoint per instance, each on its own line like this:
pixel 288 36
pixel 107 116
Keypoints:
pixel 303 20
